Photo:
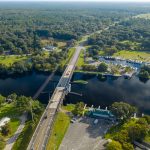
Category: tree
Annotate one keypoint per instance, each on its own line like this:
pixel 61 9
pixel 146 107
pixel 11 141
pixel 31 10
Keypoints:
pixel 122 136
pixel 147 118
pixel 2 142
pixel 110 51
pixel 122 110
pixel 89 67
pixel 13 96
pixel 102 67
pixel 127 146
pixel 137 132
pixel 23 103
pixel 144 74
pixel 114 145
pixel 78 110
pixel 2 100
pixel 5 130
pixel 37 108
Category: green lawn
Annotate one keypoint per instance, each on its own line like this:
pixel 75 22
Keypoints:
pixel 80 61
pixel 14 124
pixel 147 139
pixel 9 60
pixel 69 107
pixel 58 131
pixel 70 54
pixel 135 55
pixel 144 16
pixel 9 110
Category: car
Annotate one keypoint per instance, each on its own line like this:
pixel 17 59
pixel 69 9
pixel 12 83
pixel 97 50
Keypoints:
pixel 45 117
pixel 73 120
pixel 95 121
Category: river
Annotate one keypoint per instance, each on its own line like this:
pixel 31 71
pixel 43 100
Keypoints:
pixel 96 92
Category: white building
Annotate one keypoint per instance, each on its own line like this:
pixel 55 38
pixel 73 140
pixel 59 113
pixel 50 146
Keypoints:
pixel 49 48
pixel 3 121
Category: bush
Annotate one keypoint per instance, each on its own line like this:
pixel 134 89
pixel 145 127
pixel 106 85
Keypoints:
pixel 114 145
pixel 5 130
pixel 79 107
pixel 102 67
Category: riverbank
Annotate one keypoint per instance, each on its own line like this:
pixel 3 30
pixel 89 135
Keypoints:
pixel 96 73
pixel 14 108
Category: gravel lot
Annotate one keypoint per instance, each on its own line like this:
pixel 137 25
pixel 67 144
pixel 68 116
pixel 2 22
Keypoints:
pixel 85 135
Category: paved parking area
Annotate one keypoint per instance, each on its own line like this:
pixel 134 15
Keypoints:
pixel 85 135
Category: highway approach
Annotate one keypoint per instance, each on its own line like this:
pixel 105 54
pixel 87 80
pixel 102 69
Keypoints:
pixel 41 135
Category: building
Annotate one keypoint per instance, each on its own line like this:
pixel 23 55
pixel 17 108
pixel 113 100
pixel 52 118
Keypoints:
pixel 9 100
pixel 101 113
pixel 4 121
pixel 49 48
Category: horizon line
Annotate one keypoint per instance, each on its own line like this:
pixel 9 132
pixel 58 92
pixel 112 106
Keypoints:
pixel 103 1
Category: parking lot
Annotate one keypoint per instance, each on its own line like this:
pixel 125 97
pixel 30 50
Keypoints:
pixel 85 135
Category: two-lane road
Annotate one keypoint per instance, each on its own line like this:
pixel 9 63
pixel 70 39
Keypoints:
pixel 41 135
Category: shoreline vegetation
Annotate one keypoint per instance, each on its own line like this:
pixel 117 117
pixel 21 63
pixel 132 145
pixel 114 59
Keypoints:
pixel 19 65
pixel 13 107
pixel 80 82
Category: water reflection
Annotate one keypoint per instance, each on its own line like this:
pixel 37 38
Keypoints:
pixel 105 92
pixel 27 85
pixel 100 90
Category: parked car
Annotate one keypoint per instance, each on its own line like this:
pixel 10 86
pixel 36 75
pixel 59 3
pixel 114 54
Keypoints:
pixel 73 120
pixel 95 121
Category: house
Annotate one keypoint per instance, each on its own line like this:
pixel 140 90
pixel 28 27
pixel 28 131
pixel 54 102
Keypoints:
pixel 4 121
pixel 8 100
pixel 49 48
pixel 101 113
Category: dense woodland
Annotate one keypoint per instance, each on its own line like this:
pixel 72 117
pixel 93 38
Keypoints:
pixel 23 27
pixel 131 34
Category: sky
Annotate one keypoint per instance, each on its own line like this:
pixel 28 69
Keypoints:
pixel 85 0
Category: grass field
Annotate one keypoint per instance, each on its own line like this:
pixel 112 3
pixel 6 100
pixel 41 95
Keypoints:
pixel 8 110
pixel 135 55
pixel 80 61
pixel 69 107
pixel 147 139
pixel 144 16
pixel 45 42
pixel 70 54
pixel 58 131
pixel 9 60
pixel 14 123
pixel 133 45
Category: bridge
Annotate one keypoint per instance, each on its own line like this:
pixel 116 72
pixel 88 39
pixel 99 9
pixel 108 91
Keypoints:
pixel 41 135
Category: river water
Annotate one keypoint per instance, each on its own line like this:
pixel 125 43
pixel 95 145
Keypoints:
pixel 96 92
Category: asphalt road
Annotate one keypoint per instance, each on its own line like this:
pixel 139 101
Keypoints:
pixel 85 135
pixel 41 134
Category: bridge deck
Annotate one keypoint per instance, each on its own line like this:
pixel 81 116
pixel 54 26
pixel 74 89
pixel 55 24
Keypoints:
pixel 41 135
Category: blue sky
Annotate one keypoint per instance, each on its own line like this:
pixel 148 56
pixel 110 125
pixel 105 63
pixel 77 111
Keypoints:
pixel 86 0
